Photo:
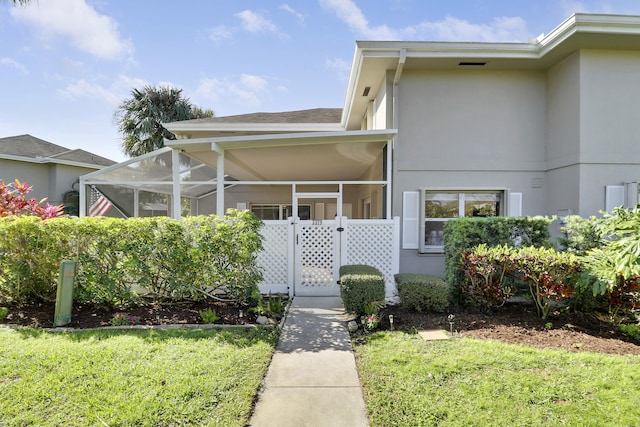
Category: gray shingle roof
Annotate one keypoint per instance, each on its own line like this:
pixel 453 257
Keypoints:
pixel 31 147
pixel 316 115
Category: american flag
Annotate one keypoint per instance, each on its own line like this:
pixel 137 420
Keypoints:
pixel 101 205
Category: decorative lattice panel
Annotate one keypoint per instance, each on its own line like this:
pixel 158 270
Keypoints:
pixel 273 259
pixel 372 244
pixel 317 256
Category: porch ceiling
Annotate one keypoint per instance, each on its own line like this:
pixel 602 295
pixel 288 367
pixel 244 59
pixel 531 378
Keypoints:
pixel 331 156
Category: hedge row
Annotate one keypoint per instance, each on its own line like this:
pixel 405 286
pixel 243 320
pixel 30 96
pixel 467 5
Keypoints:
pixel 464 234
pixel 550 276
pixel 422 292
pixel 117 259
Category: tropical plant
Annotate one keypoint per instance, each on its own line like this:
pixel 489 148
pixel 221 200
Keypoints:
pixel 14 202
pixel 208 315
pixel 140 118
pixel 618 258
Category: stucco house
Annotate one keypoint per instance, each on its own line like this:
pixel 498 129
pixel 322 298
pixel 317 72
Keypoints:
pixel 50 169
pixel 429 131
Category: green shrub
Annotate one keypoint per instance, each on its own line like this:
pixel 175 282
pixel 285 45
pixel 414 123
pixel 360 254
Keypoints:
pixel 633 330
pixel 208 315
pixel 550 275
pixel 224 254
pixel 618 258
pixel 360 285
pixel 4 312
pixel 464 234
pixel 579 235
pixel 422 292
pixel 161 258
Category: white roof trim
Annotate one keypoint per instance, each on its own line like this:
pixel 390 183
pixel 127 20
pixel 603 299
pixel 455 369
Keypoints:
pixel 127 162
pixel 278 140
pixel 185 126
pixel 46 160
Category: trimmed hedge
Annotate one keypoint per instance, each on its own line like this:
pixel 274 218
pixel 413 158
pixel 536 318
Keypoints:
pixel 464 234
pixel 422 292
pixel 360 285
pixel 162 258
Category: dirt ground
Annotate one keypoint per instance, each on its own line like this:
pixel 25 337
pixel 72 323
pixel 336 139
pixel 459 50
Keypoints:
pixel 86 316
pixel 514 323
pixel 518 324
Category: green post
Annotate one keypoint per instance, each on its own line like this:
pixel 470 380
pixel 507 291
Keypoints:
pixel 64 296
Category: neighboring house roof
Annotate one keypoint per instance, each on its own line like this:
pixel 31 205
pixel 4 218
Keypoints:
pixel 36 150
pixel 315 115
pixel 313 120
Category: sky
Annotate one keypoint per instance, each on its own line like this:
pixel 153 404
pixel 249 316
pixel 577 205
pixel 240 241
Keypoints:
pixel 66 65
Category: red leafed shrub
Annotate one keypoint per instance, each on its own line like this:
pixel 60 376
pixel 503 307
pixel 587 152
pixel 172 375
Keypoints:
pixel 485 272
pixel 14 202
pixel 626 295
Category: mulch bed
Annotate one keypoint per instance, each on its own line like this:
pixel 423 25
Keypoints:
pixel 513 323
pixel 517 323
pixel 89 316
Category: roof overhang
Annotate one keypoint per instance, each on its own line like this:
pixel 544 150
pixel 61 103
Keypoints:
pixel 373 59
pixel 190 129
pixel 335 156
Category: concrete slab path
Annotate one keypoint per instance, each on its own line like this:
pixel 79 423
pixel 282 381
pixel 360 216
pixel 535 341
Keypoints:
pixel 312 380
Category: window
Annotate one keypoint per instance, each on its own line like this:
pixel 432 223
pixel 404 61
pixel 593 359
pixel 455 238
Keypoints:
pixel 442 205
pixel 278 212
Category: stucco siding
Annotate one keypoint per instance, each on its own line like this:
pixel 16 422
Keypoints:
pixel 471 120
pixel 37 175
pixel 610 117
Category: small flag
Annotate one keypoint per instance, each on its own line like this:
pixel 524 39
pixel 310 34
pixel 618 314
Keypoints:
pixel 100 207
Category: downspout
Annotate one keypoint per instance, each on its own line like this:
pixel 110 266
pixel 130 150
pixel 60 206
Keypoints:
pixel 390 158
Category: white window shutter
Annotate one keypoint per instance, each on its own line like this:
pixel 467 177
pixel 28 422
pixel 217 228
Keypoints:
pixel 515 204
pixel 613 197
pixel 410 219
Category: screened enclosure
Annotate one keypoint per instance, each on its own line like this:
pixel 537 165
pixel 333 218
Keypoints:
pixel 309 176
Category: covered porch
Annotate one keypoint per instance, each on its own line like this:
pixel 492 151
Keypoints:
pixel 324 198
pixel 311 175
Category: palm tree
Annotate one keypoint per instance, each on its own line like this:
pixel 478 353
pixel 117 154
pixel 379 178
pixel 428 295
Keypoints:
pixel 140 117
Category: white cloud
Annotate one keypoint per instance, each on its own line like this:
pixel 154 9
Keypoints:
pixel 113 95
pixel 296 14
pixel 246 90
pixel 349 13
pixel 84 89
pixel 75 20
pixel 449 29
pixel 255 23
pixel 220 33
pixel 454 29
pixel 340 66
pixel 15 64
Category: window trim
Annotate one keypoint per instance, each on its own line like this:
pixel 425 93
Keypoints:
pixel 439 249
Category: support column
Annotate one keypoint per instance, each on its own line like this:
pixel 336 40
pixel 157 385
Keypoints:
pixel 82 198
pixel 220 183
pixel 175 199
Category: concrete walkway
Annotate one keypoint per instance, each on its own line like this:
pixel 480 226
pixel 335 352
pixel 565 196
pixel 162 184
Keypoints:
pixel 312 379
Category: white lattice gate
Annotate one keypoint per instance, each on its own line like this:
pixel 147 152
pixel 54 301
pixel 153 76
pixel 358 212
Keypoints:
pixel 317 258
pixel 304 258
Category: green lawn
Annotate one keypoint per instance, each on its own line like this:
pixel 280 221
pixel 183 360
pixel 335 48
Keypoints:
pixel 126 378
pixel 467 382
